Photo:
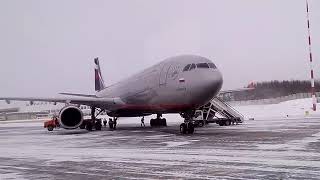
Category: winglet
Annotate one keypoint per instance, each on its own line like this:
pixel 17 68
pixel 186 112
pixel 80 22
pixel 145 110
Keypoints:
pixel 99 83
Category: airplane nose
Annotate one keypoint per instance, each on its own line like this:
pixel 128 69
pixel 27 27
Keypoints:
pixel 207 85
pixel 213 83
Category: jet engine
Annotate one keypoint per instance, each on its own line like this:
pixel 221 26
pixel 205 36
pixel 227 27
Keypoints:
pixel 70 117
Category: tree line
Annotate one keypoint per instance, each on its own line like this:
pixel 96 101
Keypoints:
pixel 274 89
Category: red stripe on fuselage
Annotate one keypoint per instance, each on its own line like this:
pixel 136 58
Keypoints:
pixel 159 107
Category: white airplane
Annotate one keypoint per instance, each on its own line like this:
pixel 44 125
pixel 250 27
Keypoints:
pixel 179 84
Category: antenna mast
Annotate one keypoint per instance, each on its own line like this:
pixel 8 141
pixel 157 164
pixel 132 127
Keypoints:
pixel 314 100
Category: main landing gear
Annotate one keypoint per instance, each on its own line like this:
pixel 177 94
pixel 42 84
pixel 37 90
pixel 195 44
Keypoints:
pixel 113 123
pixel 158 122
pixel 93 122
pixel 187 127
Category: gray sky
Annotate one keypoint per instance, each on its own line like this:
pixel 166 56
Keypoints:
pixel 48 46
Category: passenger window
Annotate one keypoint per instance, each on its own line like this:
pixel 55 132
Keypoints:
pixel 202 65
pixel 211 65
pixel 187 67
pixel 193 66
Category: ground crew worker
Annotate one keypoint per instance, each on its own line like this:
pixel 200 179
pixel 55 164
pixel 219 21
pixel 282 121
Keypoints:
pixel 55 121
pixel 115 123
pixel 110 123
pixel 142 122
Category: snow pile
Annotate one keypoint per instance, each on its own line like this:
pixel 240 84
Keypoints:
pixel 287 109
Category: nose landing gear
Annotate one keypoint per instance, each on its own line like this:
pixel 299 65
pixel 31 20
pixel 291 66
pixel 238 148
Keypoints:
pixel 158 122
pixel 187 128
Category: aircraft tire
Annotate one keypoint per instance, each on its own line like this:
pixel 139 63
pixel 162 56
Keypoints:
pixel 183 128
pixel 98 126
pixel 190 129
pixel 221 123
pixel 201 123
pixel 82 126
pixel 89 126
pixel 152 122
pixel 227 123
pixel 163 122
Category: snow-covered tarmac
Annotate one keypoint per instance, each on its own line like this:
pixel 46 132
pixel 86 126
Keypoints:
pixel 264 148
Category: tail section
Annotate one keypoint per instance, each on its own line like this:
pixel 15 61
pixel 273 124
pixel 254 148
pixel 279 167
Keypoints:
pixel 99 83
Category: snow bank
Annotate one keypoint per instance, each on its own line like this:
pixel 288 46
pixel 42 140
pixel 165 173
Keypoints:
pixel 288 109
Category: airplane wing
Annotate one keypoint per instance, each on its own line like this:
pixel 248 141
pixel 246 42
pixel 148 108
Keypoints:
pixel 75 94
pixel 235 90
pixel 108 103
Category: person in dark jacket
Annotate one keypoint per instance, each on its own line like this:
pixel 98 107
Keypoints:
pixel 142 122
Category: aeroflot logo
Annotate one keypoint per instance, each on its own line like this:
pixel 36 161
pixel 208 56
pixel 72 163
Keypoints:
pixel 97 75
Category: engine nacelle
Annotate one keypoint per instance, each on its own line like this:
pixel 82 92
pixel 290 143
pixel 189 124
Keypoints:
pixel 70 117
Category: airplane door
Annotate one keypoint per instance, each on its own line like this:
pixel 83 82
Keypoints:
pixel 163 74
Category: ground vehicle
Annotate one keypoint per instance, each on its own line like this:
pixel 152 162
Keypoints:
pixel 200 119
pixel 51 124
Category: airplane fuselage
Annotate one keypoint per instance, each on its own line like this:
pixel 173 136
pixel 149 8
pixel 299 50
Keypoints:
pixel 174 85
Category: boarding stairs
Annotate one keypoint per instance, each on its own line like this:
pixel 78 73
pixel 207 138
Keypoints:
pixel 218 106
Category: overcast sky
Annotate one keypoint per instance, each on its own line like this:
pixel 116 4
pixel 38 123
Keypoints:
pixel 48 47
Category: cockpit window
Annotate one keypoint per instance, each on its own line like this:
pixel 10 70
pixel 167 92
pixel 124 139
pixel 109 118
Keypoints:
pixel 193 66
pixel 186 68
pixel 190 67
pixel 202 65
pixel 211 65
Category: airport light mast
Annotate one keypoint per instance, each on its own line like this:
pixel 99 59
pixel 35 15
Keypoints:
pixel 314 100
